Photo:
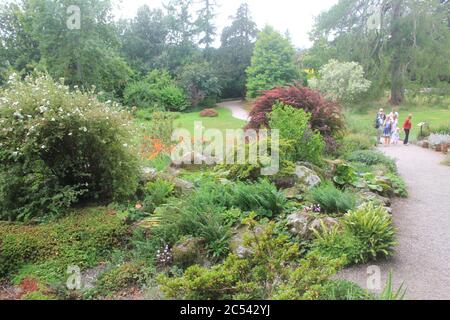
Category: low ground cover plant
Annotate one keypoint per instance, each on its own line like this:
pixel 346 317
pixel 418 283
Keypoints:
pixel 372 157
pixel 367 234
pixel 331 199
pixel 82 238
pixel 273 270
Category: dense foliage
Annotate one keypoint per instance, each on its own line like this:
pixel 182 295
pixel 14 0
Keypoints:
pixel 273 270
pixel 341 81
pixel 400 43
pixel 293 124
pixel 326 116
pixel 59 147
pixel 83 57
pixel 81 239
pixel 367 234
pixel 200 81
pixel 156 92
pixel 331 199
pixel 372 157
pixel 272 63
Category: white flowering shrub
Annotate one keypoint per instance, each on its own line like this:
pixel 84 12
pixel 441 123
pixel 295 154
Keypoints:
pixel 59 147
pixel 341 81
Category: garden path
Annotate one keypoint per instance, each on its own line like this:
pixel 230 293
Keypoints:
pixel 422 259
pixel 237 109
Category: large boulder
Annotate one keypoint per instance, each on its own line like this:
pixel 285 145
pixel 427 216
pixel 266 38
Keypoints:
pixel 369 196
pixel 237 245
pixel 189 252
pixel 299 224
pixel 307 177
pixel 328 223
pixel 302 180
pixel 303 223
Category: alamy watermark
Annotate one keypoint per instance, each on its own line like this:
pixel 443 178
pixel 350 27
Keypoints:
pixel 215 147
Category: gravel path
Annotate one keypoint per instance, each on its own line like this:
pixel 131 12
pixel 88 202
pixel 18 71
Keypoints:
pixel 422 260
pixel 236 108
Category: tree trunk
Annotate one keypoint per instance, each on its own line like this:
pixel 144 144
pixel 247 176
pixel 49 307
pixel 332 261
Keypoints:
pixel 397 62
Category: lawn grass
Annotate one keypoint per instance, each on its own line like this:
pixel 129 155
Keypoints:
pixel 362 120
pixel 223 122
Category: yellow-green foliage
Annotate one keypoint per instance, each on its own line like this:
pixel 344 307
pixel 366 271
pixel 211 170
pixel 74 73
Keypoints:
pixel 80 238
pixel 273 270
pixel 367 234
pixel 121 277
pixel 353 142
pixel 373 226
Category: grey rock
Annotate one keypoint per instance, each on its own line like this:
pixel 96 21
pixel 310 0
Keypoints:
pixel 328 222
pixel 307 177
pixel 299 224
pixel 369 196
pixel 189 252
pixel 237 245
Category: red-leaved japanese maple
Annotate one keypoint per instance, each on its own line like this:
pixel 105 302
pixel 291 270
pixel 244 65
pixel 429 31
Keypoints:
pixel 326 116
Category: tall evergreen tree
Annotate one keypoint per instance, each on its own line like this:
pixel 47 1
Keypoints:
pixel 236 51
pixel 272 63
pixel 144 39
pixel 205 23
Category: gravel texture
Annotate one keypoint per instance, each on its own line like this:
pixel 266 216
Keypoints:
pixel 236 108
pixel 422 260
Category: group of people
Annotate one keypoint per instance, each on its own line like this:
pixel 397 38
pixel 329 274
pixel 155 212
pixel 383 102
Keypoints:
pixel 388 129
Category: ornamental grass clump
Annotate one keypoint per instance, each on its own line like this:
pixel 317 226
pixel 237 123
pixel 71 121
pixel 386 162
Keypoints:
pixel 60 147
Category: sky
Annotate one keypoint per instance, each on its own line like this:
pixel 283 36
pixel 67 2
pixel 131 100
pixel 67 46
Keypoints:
pixel 297 16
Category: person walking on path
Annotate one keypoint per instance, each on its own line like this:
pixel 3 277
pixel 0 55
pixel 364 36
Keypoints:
pixel 387 132
pixel 407 128
pixel 379 121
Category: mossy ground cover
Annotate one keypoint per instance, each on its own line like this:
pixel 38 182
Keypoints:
pixel 84 238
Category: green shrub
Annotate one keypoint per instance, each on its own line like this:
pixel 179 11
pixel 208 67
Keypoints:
pixel 355 142
pixel 294 128
pixel 371 157
pixel 373 226
pixel 60 147
pixel 157 92
pixel 331 199
pixel 211 210
pixel 157 193
pixel 336 244
pixel 209 224
pixel 342 290
pixel 81 238
pixel 273 270
pixel 121 277
pixel 261 197
pixel 398 185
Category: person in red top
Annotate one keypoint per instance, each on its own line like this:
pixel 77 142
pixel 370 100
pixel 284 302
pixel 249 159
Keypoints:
pixel 407 127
